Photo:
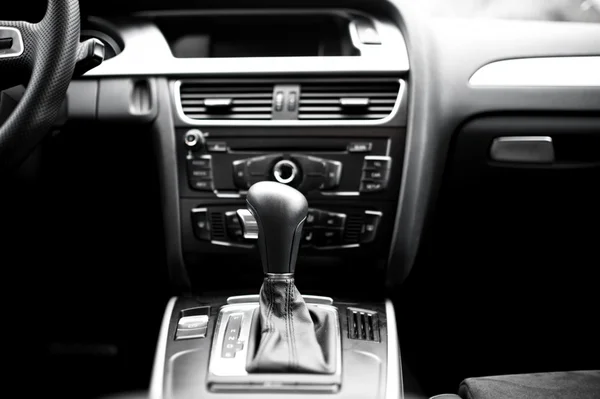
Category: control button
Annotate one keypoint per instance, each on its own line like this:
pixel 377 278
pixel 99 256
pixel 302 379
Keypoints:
pixel 201 184
pixel 234 227
pixel 279 101
pixel 328 237
pixel 370 226
pixel 371 186
pixel 378 174
pixel 312 217
pixel 360 147
pixel 240 174
pixel 292 101
pixel 6 43
pixel 376 163
pixel 216 146
pixel 190 334
pixel 194 139
pixel 200 224
pixel 200 173
pixel 332 220
pixel 308 237
pixel 192 322
pixel 285 171
pixel 200 163
pixel 333 174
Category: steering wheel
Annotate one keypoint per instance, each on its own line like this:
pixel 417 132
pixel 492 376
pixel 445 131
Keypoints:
pixel 43 56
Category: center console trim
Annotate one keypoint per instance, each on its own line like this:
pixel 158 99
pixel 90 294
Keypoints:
pixel 158 369
pixel 400 99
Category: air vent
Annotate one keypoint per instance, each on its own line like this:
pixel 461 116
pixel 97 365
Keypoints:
pixel 363 325
pixel 353 228
pixel 348 100
pixel 226 101
pixel 217 225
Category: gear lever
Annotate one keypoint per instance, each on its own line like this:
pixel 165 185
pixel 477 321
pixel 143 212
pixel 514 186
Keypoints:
pixel 289 332
pixel 280 212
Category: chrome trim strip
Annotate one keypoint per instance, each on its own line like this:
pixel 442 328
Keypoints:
pixel 523 149
pixel 232 244
pixel 376 213
pixel 394 389
pixel 158 370
pixel 316 299
pixel 348 122
pixel 340 193
pixel 348 246
pixel 199 210
pixel 17 46
pixel 539 72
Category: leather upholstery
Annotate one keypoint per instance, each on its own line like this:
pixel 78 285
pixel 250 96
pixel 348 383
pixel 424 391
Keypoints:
pixel 561 385
pixel 292 338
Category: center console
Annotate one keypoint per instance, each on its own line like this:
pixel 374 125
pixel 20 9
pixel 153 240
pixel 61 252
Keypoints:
pixel 323 126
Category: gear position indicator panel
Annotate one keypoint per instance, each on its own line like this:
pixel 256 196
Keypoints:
pixel 231 342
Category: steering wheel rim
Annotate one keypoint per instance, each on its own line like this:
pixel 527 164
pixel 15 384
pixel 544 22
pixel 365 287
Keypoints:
pixel 43 55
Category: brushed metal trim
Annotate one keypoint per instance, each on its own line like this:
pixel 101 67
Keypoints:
pixel 533 149
pixel 394 388
pixel 300 122
pixel 539 72
pixel 317 299
pixel 158 370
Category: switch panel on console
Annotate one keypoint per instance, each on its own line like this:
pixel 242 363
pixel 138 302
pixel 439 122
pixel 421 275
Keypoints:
pixel 375 174
pixel 200 172
pixel 323 229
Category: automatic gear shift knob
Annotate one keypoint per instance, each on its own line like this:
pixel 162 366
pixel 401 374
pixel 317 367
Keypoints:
pixel 280 212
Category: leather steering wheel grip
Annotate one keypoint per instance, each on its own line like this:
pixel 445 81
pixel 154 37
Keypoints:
pixel 48 59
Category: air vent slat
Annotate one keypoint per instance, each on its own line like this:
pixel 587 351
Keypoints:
pixel 363 325
pixel 228 95
pixel 226 101
pixel 342 116
pixel 351 100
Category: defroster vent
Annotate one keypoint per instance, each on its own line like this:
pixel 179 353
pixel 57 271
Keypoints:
pixel 229 100
pixel 348 100
pixel 363 324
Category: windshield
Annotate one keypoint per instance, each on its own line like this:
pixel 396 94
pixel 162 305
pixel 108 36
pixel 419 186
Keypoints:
pixel 546 10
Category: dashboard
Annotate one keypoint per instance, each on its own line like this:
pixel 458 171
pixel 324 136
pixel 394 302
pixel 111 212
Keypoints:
pixel 354 104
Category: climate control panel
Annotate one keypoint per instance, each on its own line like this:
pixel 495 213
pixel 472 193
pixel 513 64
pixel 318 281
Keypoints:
pixel 323 229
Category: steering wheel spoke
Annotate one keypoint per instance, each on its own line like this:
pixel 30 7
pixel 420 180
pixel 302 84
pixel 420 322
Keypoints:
pixel 45 62
pixel 17 46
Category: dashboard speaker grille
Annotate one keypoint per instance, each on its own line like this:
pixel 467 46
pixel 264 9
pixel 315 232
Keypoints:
pixel 348 100
pixel 225 101
pixel 363 325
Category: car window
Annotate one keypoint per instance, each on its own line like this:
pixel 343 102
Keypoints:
pixel 546 10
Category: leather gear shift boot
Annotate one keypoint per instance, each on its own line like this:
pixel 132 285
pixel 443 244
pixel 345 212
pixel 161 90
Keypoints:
pixel 293 339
